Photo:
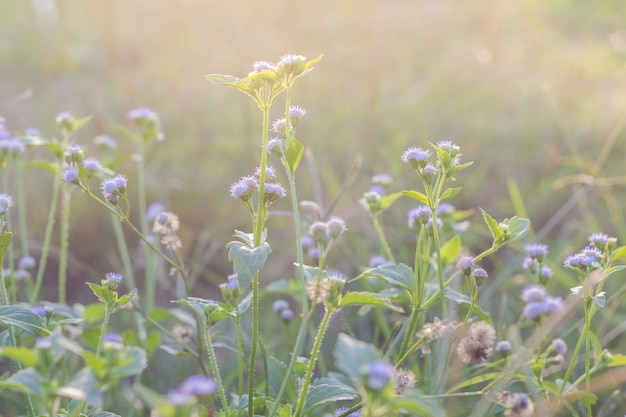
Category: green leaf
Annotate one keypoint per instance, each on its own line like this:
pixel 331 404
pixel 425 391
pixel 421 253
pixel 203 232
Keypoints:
pixel 352 355
pixel 617 360
pixel 50 167
pixel 600 299
pixel 475 380
pixel 367 298
pixel 130 361
pixel 125 299
pixel 24 318
pixel 399 275
pixel 451 250
pixel 322 394
pixel 78 123
pixel 387 200
pixel 276 375
pixel 492 224
pixel 28 357
pixel 416 195
pixel 619 253
pixel 286 411
pixel 293 154
pixel 610 271
pixel 93 313
pixel 160 314
pixel 94 363
pixel 104 295
pixel 516 228
pixel 5 242
pixel 26 380
pixel 450 193
pixel 464 299
pixel 456 168
pixel 83 386
pixel 247 261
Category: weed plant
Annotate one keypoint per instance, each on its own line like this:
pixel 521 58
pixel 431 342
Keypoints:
pixel 400 337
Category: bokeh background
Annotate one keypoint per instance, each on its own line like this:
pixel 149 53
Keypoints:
pixel 533 91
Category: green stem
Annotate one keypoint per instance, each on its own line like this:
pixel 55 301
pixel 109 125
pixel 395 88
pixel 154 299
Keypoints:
pixel 5 301
pixel 572 361
pixel 239 354
pixel 21 209
pixel 309 372
pixel 45 249
pixel 253 346
pixel 386 249
pixel 9 227
pixel 64 242
pixel 439 263
pixel 216 372
pixel 587 400
pixel 409 352
pixel 103 329
pixel 124 253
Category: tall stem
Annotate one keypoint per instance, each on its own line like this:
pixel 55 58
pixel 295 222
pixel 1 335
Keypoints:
pixel 309 372
pixel 150 267
pixel 21 208
pixel 587 400
pixel 216 372
pixel 124 253
pixel 103 329
pixel 64 242
pixel 386 249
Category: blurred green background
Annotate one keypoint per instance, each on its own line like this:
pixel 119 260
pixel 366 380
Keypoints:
pixel 533 92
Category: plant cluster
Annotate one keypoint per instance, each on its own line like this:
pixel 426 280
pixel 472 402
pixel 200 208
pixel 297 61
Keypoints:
pixel 432 349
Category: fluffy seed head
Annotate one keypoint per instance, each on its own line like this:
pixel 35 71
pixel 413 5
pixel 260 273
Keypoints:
pixel 403 380
pixel 477 344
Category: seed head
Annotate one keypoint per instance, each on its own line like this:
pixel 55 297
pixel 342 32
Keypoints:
pixel 403 380
pixel 477 345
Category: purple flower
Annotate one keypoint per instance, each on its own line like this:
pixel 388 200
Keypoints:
pixel 537 251
pixel 306 241
pixel 503 346
pixel 445 208
pixel 70 175
pixel 418 215
pixel 26 262
pixel 548 305
pixel 546 272
pixel 313 253
pixel 120 182
pixel 378 189
pixel 64 117
pixel 244 188
pixel 336 227
pixel 447 145
pixel 378 374
pixel 430 170
pixel 92 164
pixel 296 112
pixel 73 149
pixel 154 210
pixel 13 146
pixel 319 231
pixel 198 385
pixel 113 276
pixel 39 310
pixel 275 147
pixel 263 66
pixel 416 157
pixel 278 126
pixel 113 338
pixel 429 223
pixel 378 260
pixel 342 410
pixel 465 263
pixel 280 305
pixel 106 141
pixel 559 346
pixel 479 275
pixel 533 293
pixel 270 172
pixel 175 397
pixel 273 191
pixel 600 239
pixel 382 179
pixel 32 131
pixel 142 113
pixel 287 315
pixel 6 202
pixel 233 282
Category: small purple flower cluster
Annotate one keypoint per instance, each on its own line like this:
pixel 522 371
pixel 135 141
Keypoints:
pixel 113 188
pixel 191 388
pixel 281 307
pixel 539 303
pixel 534 262
pixel 247 185
pixel 10 145
pixel 592 256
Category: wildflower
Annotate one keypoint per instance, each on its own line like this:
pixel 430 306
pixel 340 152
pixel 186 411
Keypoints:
pixel 142 114
pixel 276 147
pixel 6 202
pixel 429 223
pixel 113 338
pixel 198 385
pixel 466 263
pixel 445 209
pixel 244 188
pixel 233 282
pixel 378 189
pixel 598 239
pixel 313 253
pixel 166 223
pixel 291 64
pixel 336 227
pixel 273 191
pixel 270 172
pixel 533 293
pixel 403 380
pixel 546 272
pixel 175 397
pixel 92 164
pixel 503 346
pixel 39 310
pixel 306 241
pixel 539 303
pixel 437 329
pixel 43 343
pixel 32 131
pixel 12 146
pixel 585 260
pixel 154 210
pixel 105 141
pixel 559 346
pixel 537 251
pixel 319 231
pixel 448 146
pixel 286 315
pixel 279 127
pixel 4 132
pixel 479 275
pixel 280 305
pixel 112 280
pixel 378 374
pixel 120 182
pixel 378 260
pixel 65 120
pixel 418 215
pixel 26 262
pixel 296 113
pixel 519 405
pixel 429 171
pixel 383 179
pixel 318 291
pixel 70 175
pixel 263 66
pixel 415 157
pixel 477 344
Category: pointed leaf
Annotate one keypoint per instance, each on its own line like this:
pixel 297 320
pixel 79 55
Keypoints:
pixel 450 193
pixel 247 261
pixel 367 298
pixel 416 404
pixel 617 360
pixel 464 299
pixel 27 357
pixel 131 361
pixel 516 228
pixel 492 224
pixel 416 195
pixel 352 355
pixel 24 318
pixel 451 250
pixel 5 242
pixel 619 253
pixel 326 393
pixel 399 275
pixel 276 375
pixel 610 271
pixel 293 154
pixel 387 200
pixel 26 380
